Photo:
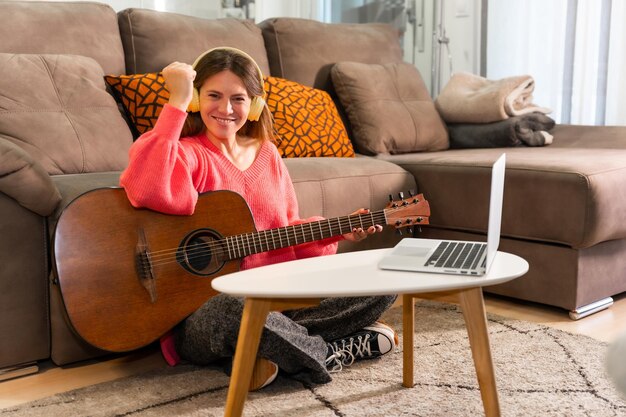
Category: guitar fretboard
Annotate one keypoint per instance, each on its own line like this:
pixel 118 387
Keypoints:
pixel 239 246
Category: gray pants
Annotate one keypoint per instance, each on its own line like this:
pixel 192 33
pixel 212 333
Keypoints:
pixel 295 339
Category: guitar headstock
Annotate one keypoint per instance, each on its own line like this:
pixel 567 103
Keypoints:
pixel 407 212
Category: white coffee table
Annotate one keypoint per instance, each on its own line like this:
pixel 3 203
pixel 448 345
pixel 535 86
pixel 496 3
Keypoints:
pixel 304 282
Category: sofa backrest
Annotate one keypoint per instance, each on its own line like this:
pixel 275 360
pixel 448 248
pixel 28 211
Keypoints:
pixel 78 28
pixel 154 39
pixel 305 50
pixel 55 106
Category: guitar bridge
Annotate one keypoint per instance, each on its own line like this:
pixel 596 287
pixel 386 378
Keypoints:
pixel 143 265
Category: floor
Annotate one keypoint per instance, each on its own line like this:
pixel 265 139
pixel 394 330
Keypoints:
pixel 603 326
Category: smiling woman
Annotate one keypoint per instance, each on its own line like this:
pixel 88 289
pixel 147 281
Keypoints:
pixel 225 143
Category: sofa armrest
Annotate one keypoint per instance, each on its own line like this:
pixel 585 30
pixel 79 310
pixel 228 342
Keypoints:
pixel 25 180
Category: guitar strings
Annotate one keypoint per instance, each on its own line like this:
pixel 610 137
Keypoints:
pixel 266 236
pixel 239 243
pixel 299 233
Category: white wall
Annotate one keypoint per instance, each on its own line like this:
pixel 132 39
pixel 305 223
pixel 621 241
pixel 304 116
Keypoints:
pixel 462 23
pixel 265 9
pixel 462 19
pixel 418 38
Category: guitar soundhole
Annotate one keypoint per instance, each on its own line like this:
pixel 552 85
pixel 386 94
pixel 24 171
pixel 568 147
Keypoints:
pixel 201 252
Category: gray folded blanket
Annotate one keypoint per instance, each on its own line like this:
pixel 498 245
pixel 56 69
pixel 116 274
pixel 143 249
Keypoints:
pixel 526 130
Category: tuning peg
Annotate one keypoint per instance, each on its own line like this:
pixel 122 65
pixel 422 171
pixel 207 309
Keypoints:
pixel 399 232
pixel 409 230
pixel 412 192
pixel 393 204
pixel 401 195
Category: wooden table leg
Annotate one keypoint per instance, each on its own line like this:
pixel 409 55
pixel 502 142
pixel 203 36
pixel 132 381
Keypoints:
pixel 475 317
pixel 255 313
pixel 408 330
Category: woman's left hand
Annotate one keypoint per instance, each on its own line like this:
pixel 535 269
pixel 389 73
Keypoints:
pixel 358 233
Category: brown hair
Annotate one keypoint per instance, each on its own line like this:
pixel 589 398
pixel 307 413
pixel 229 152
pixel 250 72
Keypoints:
pixel 219 60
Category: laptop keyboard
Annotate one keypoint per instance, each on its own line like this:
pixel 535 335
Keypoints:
pixel 458 255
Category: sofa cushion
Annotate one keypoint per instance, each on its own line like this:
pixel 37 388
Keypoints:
pixel 78 28
pixel 24 180
pixel 305 50
pixel 557 195
pixel 306 120
pixel 389 108
pixel 589 137
pixel 25 265
pixel 154 39
pixel 57 109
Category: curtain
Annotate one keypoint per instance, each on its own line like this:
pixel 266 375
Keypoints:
pixel 574 49
pixel 616 81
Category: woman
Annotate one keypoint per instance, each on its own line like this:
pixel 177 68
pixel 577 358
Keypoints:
pixel 226 142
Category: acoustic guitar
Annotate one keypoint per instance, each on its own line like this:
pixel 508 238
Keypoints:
pixel 129 275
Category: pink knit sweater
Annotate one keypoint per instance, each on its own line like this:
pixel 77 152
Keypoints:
pixel 166 174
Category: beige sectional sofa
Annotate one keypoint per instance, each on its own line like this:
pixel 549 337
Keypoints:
pixel 564 204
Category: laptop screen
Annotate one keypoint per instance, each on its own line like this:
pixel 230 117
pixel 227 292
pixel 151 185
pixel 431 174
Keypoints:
pixel 495 208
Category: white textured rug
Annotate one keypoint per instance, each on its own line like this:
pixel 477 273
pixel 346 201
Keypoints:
pixel 540 372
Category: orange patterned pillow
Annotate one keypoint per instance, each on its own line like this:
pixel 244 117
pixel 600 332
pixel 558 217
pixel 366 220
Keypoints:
pixel 142 95
pixel 306 121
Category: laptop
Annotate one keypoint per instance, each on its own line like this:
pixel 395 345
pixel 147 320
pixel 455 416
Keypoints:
pixel 454 256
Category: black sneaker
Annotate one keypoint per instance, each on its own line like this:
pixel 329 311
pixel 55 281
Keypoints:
pixel 372 342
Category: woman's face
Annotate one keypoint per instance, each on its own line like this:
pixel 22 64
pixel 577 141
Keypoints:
pixel 224 105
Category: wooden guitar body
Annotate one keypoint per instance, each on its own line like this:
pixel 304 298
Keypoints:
pixel 108 302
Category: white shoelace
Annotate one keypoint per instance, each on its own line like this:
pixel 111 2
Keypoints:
pixel 362 345
pixel 346 354
pixel 335 362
